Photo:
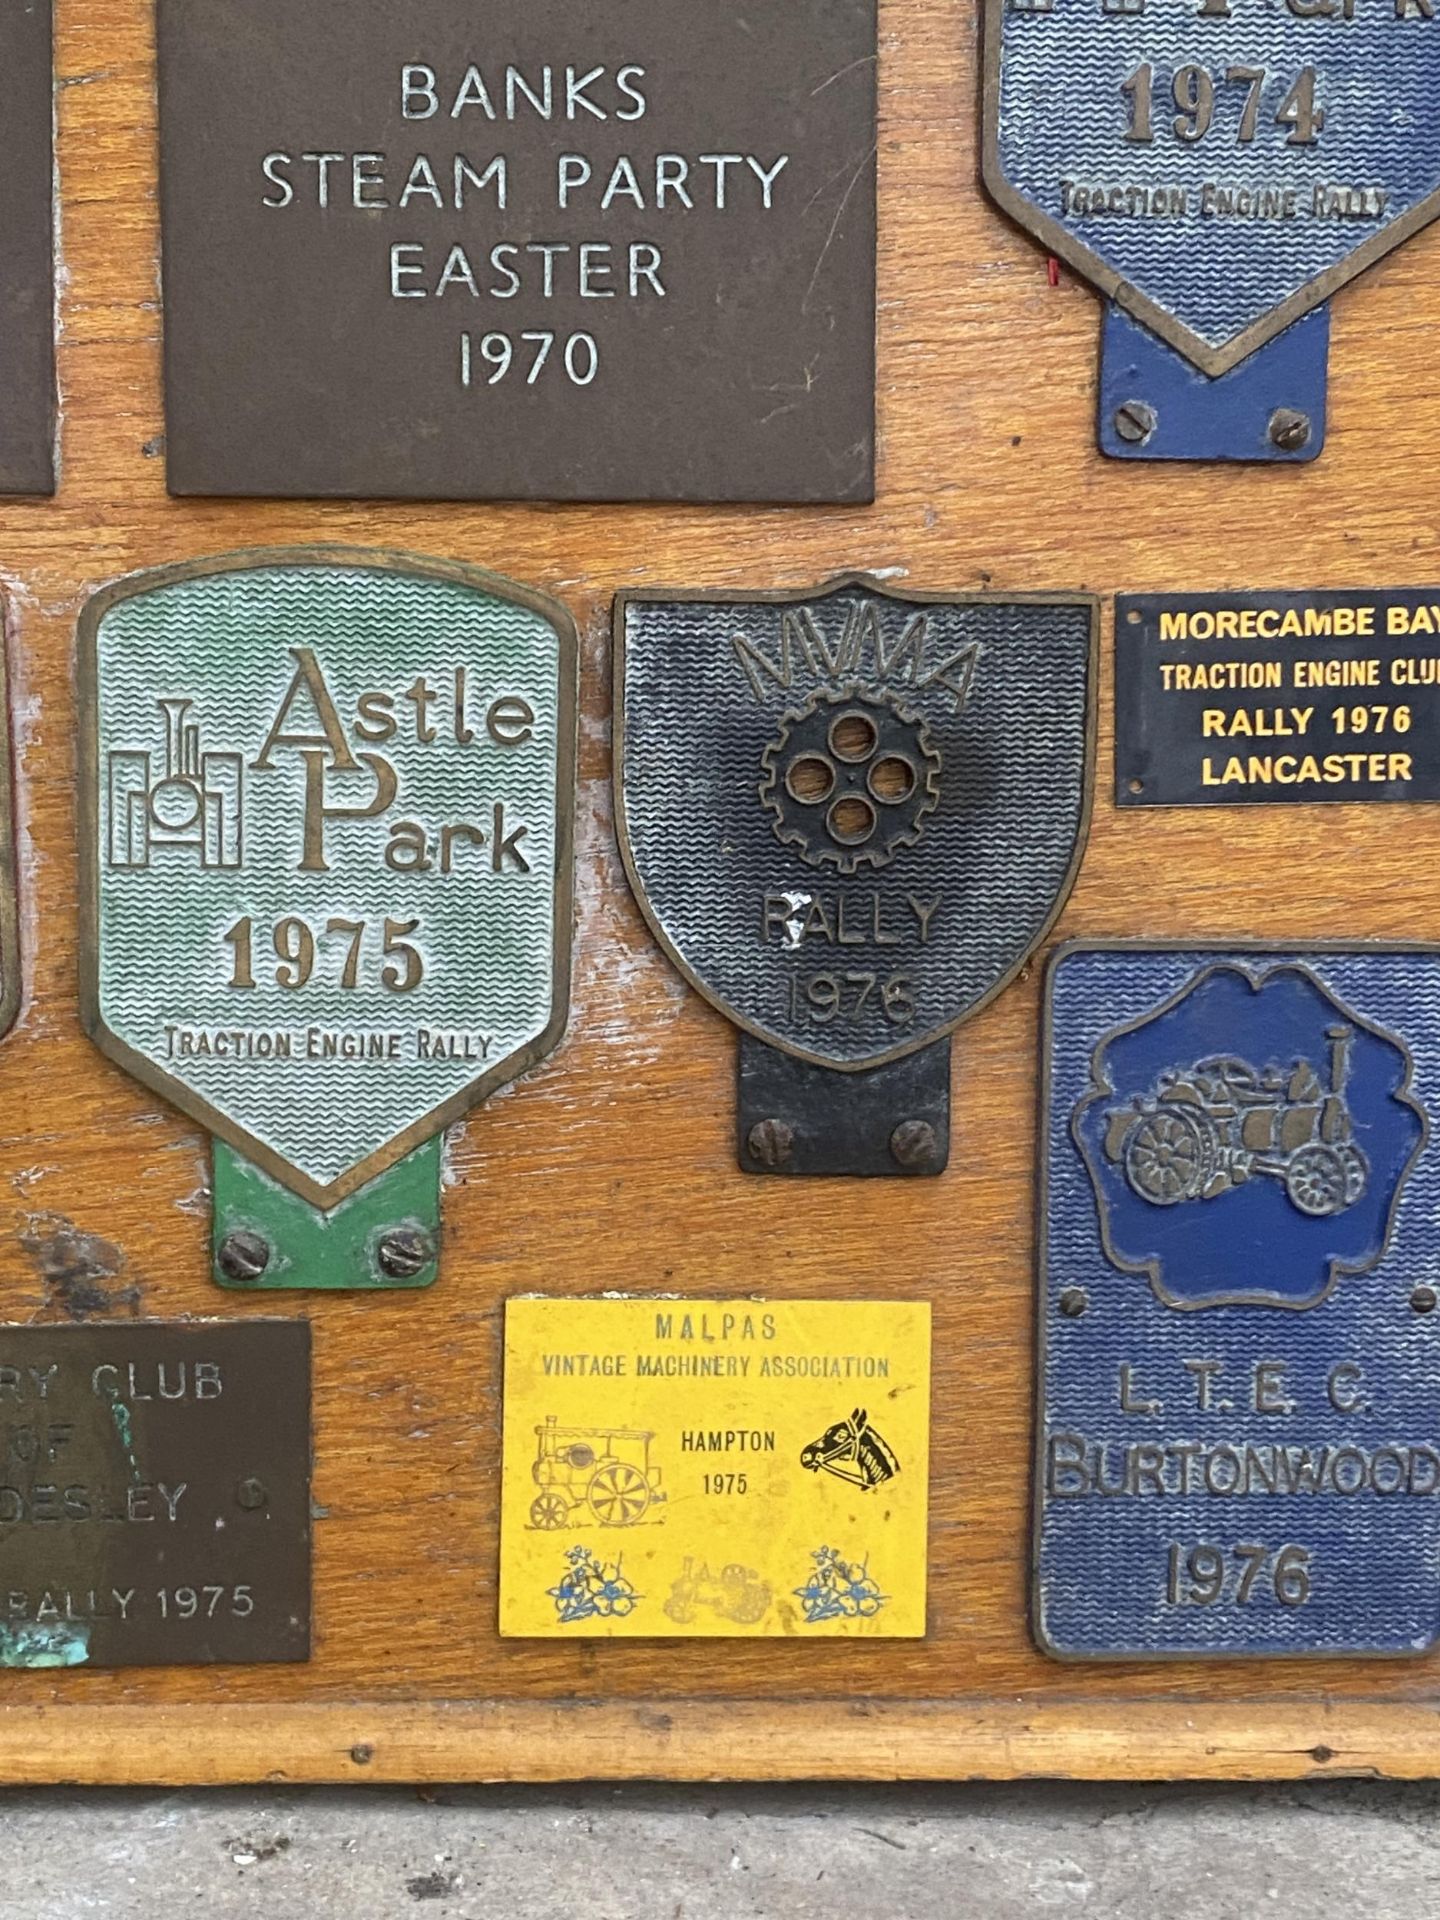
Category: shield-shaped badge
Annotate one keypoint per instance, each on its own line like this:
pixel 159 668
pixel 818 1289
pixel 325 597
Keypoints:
pixel 850 815
pixel 327 812
pixel 1219 169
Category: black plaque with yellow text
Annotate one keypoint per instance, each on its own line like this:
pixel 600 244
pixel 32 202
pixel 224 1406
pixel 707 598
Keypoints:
pixel 624 251
pixel 1245 699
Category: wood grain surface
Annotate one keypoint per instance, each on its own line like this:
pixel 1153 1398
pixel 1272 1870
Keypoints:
pixel 612 1166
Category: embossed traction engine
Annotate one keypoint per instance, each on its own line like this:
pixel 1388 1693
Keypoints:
pixel 1209 1128
pixel 194 801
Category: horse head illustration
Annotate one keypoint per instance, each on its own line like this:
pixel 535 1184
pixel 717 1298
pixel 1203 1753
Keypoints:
pixel 852 1450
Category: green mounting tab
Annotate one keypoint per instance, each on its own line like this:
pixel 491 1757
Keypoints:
pixel 327 811
pixel 387 1235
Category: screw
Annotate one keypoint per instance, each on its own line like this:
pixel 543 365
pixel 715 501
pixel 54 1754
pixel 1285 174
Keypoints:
pixel 771 1142
pixel 251 1495
pixel 1425 1299
pixel 362 1754
pixel 913 1144
pixel 1073 1302
pixel 1135 422
pixel 243 1255
pixel 404 1251
pixel 1289 430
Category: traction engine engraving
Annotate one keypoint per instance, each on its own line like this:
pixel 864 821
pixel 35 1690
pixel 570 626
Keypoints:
pixel 195 802
pixel 593 1474
pixel 1210 1128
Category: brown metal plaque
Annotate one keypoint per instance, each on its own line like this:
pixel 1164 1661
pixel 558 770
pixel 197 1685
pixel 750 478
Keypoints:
pixel 10 976
pixel 621 252
pixel 154 1494
pixel 27 295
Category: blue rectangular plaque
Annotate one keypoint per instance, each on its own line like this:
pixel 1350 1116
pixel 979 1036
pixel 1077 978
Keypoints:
pixel 1239 1420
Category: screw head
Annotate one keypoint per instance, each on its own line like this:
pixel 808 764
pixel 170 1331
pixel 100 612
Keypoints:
pixel 1425 1299
pixel 243 1255
pixel 1289 431
pixel 1135 421
pixel 914 1144
pixel 771 1142
pixel 404 1251
pixel 252 1495
pixel 1073 1302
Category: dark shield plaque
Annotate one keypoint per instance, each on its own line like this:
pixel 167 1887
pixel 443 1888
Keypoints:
pixel 1239 1394
pixel 849 815
pixel 154 1494
pixel 27 300
pixel 526 250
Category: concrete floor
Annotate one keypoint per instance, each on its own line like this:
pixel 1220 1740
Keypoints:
pixel 1338 1851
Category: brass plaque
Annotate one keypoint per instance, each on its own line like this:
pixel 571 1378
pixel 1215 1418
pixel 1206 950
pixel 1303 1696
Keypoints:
pixel 525 250
pixel 154 1494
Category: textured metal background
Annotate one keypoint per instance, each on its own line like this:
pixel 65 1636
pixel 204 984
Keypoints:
pixel 997 850
pixel 1058 114
pixel 1101 1577
pixel 488 940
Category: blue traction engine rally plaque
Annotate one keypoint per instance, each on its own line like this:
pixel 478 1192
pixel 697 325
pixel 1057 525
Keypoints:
pixel 1239 1423
pixel 1218 168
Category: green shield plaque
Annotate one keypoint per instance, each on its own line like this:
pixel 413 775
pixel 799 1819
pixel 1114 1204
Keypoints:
pixel 326 834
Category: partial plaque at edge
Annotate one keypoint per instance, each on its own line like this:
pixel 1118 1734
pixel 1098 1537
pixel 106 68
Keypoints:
pixel 11 977
pixel 627 254
pixel 155 1494
pixel 27 245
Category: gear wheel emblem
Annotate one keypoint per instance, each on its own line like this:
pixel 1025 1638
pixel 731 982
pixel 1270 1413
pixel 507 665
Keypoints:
pixel 850 778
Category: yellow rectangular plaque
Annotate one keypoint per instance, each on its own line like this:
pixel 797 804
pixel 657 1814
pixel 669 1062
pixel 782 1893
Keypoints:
pixel 715 1468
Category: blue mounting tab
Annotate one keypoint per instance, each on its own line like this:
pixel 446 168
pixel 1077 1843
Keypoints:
pixel 1156 405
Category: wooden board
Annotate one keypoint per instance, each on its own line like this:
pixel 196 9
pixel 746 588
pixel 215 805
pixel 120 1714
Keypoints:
pixel 612 1166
